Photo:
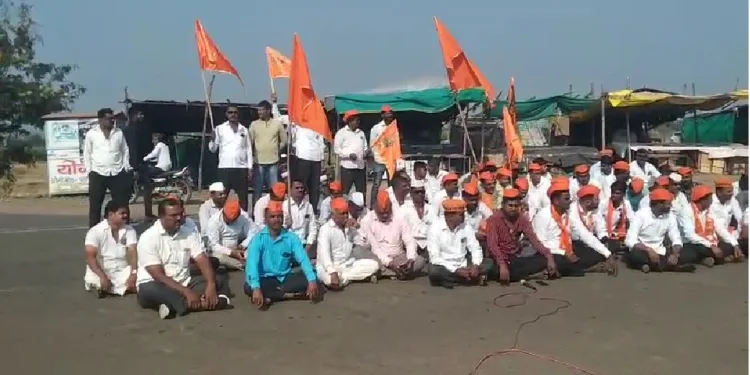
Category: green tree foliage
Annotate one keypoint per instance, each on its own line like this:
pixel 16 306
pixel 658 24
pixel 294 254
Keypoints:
pixel 29 89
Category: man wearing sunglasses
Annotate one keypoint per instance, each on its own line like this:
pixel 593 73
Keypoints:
pixel 232 141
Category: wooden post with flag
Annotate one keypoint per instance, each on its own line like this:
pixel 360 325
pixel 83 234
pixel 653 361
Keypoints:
pixel 462 74
pixel 279 66
pixel 513 143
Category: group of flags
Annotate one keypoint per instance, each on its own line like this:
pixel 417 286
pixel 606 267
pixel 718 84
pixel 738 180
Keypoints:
pixel 306 110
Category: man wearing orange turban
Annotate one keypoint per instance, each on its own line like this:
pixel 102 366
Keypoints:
pixel 612 218
pixel 269 276
pixel 647 233
pixel 488 189
pixel 557 229
pixel 536 197
pixel 387 236
pixel 276 193
pixel 635 193
pixel 712 244
pixel 726 208
pixel 450 190
pixel 603 166
pixel 336 190
pixel 476 210
pixel 581 177
pixel 455 254
pixel 226 233
pixel 350 145
pixel 337 265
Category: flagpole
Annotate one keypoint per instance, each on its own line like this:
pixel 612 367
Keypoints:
pixel 207 115
pixel 466 133
pixel 273 89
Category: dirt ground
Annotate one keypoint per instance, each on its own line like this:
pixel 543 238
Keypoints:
pixel 633 324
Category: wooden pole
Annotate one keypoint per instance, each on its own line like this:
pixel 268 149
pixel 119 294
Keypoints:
pixel 273 89
pixel 627 123
pixel 207 115
pixel 695 117
pixel 462 116
pixel 604 116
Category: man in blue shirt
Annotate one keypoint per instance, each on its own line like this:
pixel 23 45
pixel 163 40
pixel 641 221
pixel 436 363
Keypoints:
pixel 268 272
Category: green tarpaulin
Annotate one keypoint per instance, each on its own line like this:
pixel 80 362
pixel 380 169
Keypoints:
pixel 711 128
pixel 537 109
pixel 426 101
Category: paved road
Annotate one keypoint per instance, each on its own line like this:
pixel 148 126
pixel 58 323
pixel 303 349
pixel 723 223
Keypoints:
pixel 634 324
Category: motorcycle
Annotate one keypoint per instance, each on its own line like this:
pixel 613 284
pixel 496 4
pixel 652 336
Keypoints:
pixel 176 182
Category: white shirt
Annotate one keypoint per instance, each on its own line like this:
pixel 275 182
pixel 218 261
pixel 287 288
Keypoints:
pixel 604 183
pixel 223 237
pixel 111 253
pixel 173 252
pixel 394 201
pixel 160 153
pixel 650 230
pixel 687 227
pixel 375 132
pixel 575 186
pixel 106 156
pixel 324 207
pixel 206 211
pixel 549 232
pixel 419 226
pixel 437 201
pixel 648 173
pixel 347 142
pixel 335 247
pixel 235 148
pixel 434 184
pixel 472 220
pixel 448 248
pixel 595 170
pixel 600 221
pixel 537 198
pixel 358 236
pixel 680 205
pixel 723 213
pixel 587 220
pixel 308 145
pixel 303 222
pixel 259 209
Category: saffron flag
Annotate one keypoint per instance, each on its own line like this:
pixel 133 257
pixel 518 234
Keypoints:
pixel 305 109
pixel 210 57
pixel 462 73
pixel 513 144
pixel 388 146
pixel 279 66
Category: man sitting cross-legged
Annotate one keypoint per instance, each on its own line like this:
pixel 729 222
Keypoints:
pixel 455 253
pixel 226 232
pixel 111 253
pixel 336 264
pixel 268 273
pixel 164 281
pixel 504 230
pixel 650 228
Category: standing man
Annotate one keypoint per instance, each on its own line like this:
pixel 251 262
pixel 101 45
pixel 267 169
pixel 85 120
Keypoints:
pixel 133 132
pixel 386 113
pixel 350 146
pixel 232 141
pixel 640 167
pixel 268 136
pixel 106 157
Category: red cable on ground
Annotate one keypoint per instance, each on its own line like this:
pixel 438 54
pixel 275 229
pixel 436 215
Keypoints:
pixel 514 348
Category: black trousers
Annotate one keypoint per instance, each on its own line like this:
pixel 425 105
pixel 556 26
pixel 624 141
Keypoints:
pixel 637 258
pixel 356 177
pixel 587 258
pixel 235 179
pixel 295 282
pixel 309 172
pixel 154 293
pixel 743 245
pixel 439 274
pixel 699 252
pixel 120 186
pixel 522 267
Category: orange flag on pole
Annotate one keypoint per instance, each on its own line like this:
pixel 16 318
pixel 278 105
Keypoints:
pixel 462 73
pixel 513 144
pixel 279 66
pixel 305 109
pixel 388 146
pixel 209 55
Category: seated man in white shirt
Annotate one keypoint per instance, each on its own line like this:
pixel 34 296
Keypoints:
pixel 455 254
pixel 214 204
pixel 476 210
pixel 725 208
pixel 434 178
pixel 301 219
pixel 111 253
pixel 449 190
pixel 418 215
pixel 581 177
pixel 661 182
pixel 536 197
pixel 649 231
pixel 226 231
pixel 640 167
pixel 555 228
pixel 164 280
pixel 276 193
pixel 612 218
pixel 711 243
pixel 337 265
pixel 336 191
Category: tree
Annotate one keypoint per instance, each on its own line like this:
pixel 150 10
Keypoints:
pixel 29 89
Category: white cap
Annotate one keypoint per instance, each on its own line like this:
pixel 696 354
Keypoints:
pixel 417 183
pixel 216 186
pixel 323 178
pixel 357 198
pixel 675 177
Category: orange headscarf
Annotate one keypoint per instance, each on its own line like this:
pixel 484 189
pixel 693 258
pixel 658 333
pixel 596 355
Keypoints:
pixel 275 207
pixel 566 242
pixel 232 209
pixel 279 190
pixel 339 205
pixel 707 231
pixel 619 231
pixel 383 200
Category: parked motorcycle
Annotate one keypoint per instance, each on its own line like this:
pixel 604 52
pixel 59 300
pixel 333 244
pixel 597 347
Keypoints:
pixel 165 184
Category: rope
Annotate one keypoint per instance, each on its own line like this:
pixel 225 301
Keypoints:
pixel 563 304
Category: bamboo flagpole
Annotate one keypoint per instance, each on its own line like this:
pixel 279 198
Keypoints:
pixel 207 115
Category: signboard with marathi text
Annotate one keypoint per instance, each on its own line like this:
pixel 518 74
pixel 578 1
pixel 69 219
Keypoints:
pixel 67 172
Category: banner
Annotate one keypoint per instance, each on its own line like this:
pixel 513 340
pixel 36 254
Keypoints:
pixel 67 173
